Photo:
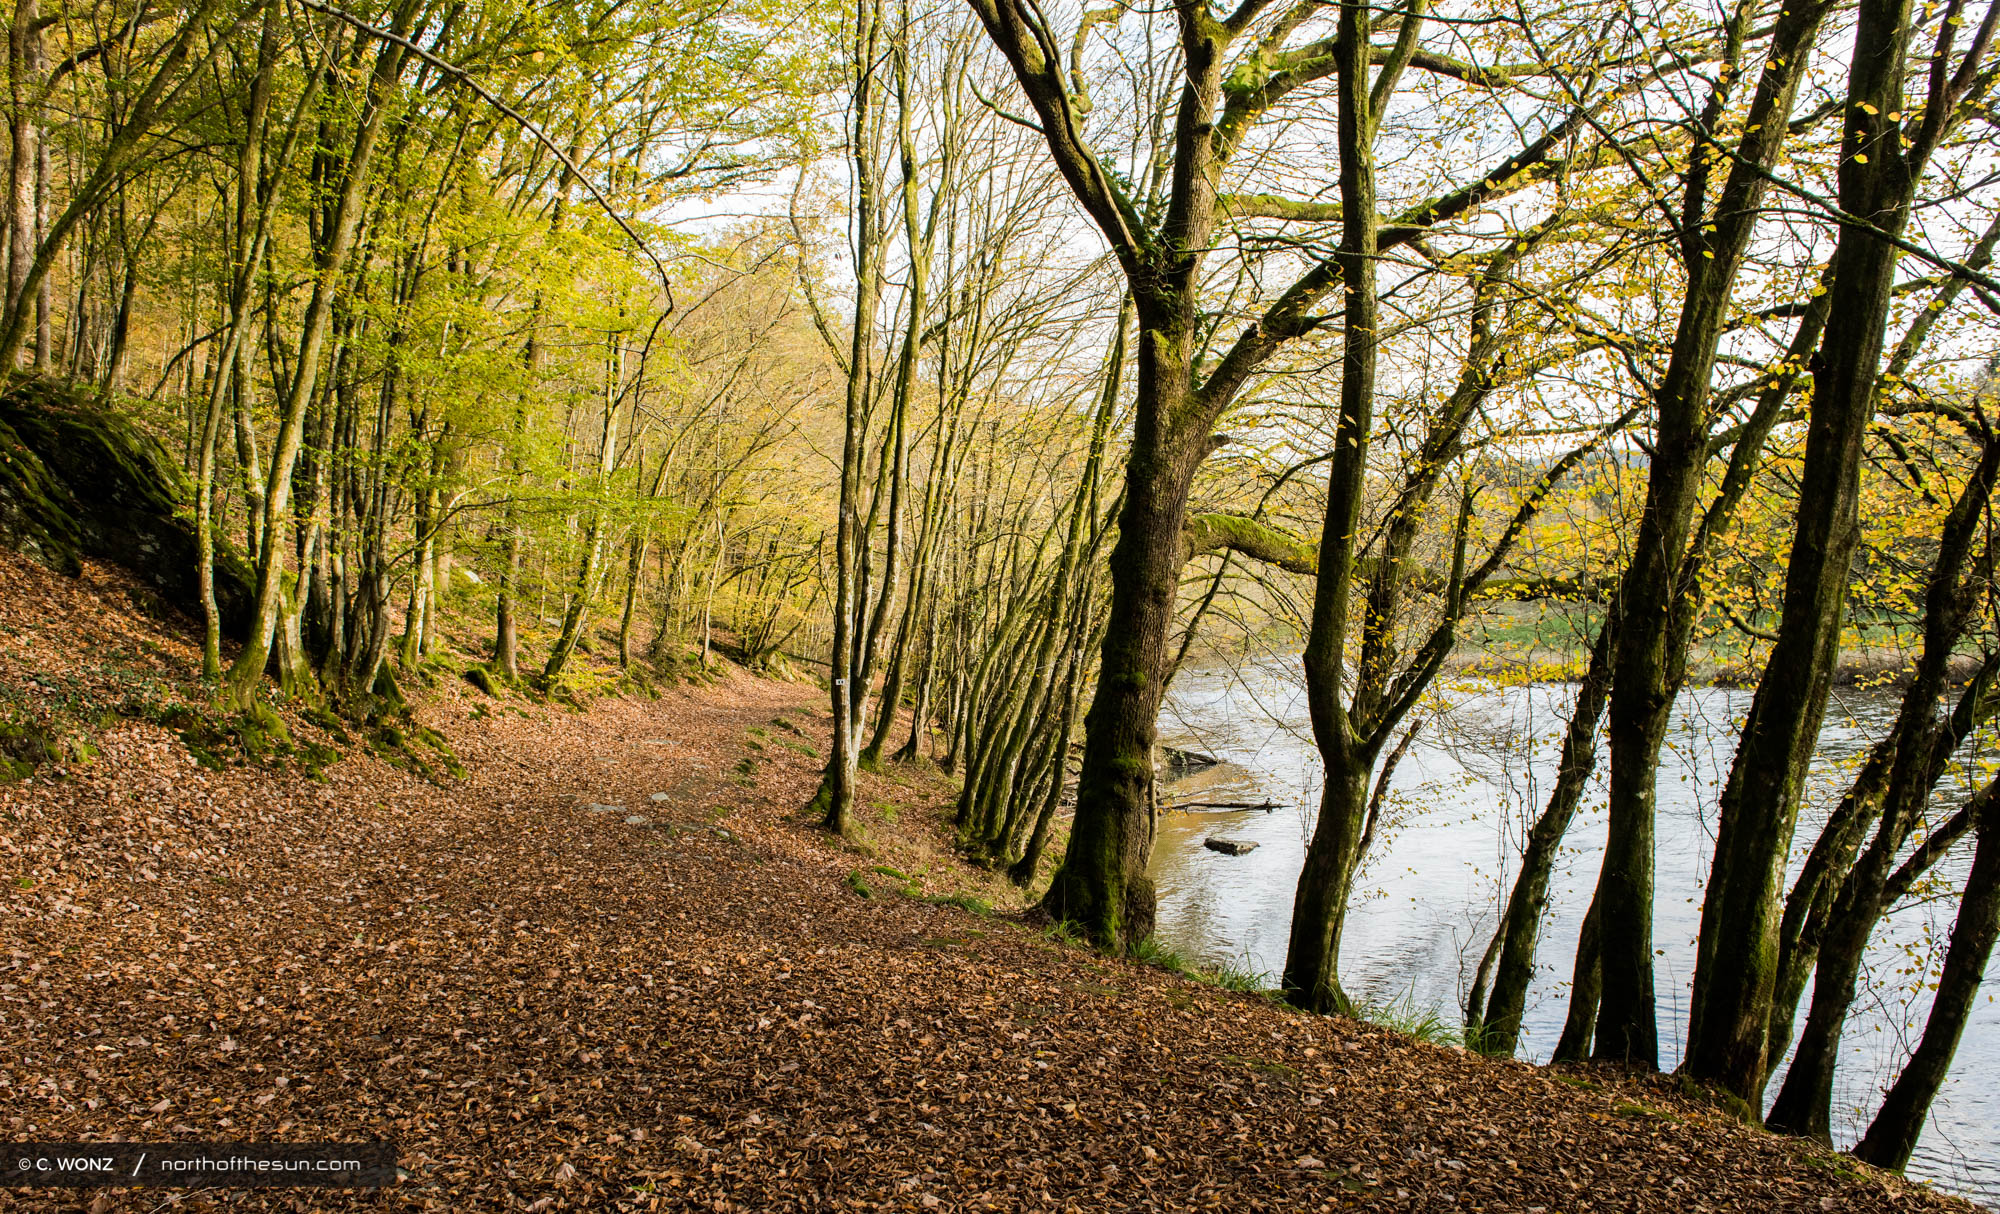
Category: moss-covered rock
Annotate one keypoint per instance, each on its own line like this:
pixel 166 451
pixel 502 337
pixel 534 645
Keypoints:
pixel 24 746
pixel 37 512
pixel 77 479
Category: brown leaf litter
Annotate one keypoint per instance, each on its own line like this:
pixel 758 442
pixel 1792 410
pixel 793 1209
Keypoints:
pixel 555 992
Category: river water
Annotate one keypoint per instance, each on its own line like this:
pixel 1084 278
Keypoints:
pixel 1428 898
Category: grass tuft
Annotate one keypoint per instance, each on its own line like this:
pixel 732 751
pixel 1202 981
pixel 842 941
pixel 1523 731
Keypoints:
pixel 1402 1015
pixel 1225 975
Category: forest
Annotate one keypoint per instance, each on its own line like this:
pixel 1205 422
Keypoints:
pixel 990 366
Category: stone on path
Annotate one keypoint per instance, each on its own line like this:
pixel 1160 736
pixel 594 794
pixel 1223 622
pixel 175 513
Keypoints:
pixel 638 820
pixel 658 797
pixel 1230 847
pixel 605 809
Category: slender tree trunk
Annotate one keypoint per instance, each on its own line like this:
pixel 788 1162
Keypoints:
pixel 1312 958
pixel 1519 932
pixel 591 571
pixel 248 252
pixel 833 803
pixel 1892 1136
pixel 24 78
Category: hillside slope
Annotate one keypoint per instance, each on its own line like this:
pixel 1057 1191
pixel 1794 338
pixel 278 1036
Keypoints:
pixel 556 992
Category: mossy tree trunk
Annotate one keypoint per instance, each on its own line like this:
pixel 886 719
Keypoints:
pixel 1649 658
pixel 330 262
pixel 1881 164
pixel 1497 1030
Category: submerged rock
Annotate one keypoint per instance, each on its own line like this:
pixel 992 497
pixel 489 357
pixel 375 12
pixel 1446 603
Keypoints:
pixel 1185 760
pixel 1230 847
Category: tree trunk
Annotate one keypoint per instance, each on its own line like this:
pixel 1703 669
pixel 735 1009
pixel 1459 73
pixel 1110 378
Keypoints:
pixel 1650 654
pixel 1346 747
pixel 576 618
pixel 1102 885
pixel 1520 925
pixel 1893 1134
pixel 1737 957
pixel 246 674
pixel 1580 1026
pixel 1312 957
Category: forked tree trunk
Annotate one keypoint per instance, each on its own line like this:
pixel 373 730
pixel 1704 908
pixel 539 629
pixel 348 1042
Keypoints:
pixel 1649 658
pixel 1736 968
pixel 244 677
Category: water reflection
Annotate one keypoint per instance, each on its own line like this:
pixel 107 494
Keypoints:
pixel 1460 802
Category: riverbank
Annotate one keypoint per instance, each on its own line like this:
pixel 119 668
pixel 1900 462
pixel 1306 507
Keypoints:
pixel 610 968
pixel 1549 639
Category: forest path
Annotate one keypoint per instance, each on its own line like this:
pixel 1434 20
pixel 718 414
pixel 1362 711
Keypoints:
pixel 549 1008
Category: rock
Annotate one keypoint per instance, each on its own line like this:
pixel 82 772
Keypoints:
pixel 605 809
pixel 1182 760
pixel 1230 847
pixel 659 797
pixel 77 480
pixel 638 820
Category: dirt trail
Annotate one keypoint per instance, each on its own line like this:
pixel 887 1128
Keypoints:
pixel 550 1007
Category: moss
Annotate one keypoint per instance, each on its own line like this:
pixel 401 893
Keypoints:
pixel 440 746
pixel 388 694
pixel 326 719
pixel 37 512
pixel 965 902
pixel 1723 1099
pixel 315 758
pixel 77 479
pixel 482 678
pixel 261 733
pixel 24 746
pixel 418 749
pixel 1644 1112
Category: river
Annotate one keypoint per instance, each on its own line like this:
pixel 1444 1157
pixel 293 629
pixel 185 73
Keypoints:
pixel 1427 899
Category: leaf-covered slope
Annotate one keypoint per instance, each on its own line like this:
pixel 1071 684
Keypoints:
pixel 555 992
